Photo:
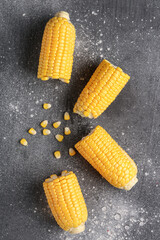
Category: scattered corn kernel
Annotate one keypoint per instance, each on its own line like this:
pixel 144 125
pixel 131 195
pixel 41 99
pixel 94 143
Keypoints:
pixel 32 131
pixel 47 105
pixel 56 124
pixel 67 131
pixel 46 131
pixel 57 154
pixel 59 137
pixel 24 142
pixel 72 152
pixel 44 123
pixel 66 116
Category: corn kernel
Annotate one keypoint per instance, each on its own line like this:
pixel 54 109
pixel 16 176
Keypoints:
pixel 67 131
pixel 46 131
pixel 44 123
pixel 47 105
pixel 72 152
pixel 24 142
pixel 66 116
pixel 59 137
pixel 56 124
pixel 57 154
pixel 32 131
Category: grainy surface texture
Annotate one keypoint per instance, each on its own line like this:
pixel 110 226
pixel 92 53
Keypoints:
pixel 127 33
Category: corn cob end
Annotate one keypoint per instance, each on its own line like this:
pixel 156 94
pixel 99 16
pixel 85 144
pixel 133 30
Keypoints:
pixel 63 14
pixel 130 184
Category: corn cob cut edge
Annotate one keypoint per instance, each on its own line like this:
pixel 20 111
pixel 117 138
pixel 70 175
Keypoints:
pixel 132 182
pixel 63 14
pixel 65 173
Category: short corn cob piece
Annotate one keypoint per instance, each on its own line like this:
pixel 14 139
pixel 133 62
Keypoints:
pixel 32 131
pixel 66 116
pixel 101 90
pixel 59 137
pixel 72 152
pixel 66 201
pixel 56 124
pixel 67 131
pixel 24 142
pixel 47 106
pixel 44 123
pixel 46 132
pixel 108 158
pixel 57 154
pixel 56 57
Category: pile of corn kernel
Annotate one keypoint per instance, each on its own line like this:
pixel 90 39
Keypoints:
pixel 45 131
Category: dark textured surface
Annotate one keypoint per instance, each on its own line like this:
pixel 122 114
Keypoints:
pixel 127 33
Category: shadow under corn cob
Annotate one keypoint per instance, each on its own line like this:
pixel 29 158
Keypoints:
pixel 56 56
pixel 108 158
pixel 103 87
pixel 66 201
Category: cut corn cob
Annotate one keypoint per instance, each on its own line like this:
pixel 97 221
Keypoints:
pixel 32 131
pixel 24 142
pixel 56 57
pixel 59 137
pixel 46 132
pixel 56 124
pixel 66 201
pixel 72 152
pixel 101 90
pixel 57 154
pixel 44 123
pixel 67 131
pixel 108 158
pixel 47 105
pixel 66 116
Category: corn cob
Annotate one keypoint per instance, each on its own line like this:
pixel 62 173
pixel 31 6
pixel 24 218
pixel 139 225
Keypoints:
pixel 108 158
pixel 56 57
pixel 101 90
pixel 66 201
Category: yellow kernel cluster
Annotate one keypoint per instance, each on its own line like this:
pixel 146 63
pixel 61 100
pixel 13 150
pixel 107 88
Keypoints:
pixel 107 157
pixel 66 201
pixel 72 152
pixel 59 137
pixel 47 106
pixel 67 131
pixel 44 123
pixel 56 124
pixel 56 56
pixel 57 154
pixel 46 131
pixel 66 116
pixel 32 131
pixel 24 142
pixel 101 90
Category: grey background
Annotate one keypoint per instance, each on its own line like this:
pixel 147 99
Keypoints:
pixel 127 33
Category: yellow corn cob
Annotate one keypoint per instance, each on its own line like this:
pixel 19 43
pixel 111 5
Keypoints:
pixel 72 152
pixel 56 57
pixel 46 132
pixel 57 154
pixel 47 105
pixel 66 116
pixel 67 131
pixel 56 124
pixel 66 202
pixel 101 90
pixel 59 137
pixel 108 158
pixel 44 123
pixel 32 131
pixel 24 142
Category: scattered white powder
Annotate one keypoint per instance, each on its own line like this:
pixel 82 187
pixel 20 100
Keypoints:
pixel 23 14
pixel 31 115
pixel 94 13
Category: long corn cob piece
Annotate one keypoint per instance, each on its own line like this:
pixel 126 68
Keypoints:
pixel 108 158
pixel 66 201
pixel 101 90
pixel 56 56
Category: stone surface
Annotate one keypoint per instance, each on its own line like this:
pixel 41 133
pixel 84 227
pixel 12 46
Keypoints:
pixel 127 33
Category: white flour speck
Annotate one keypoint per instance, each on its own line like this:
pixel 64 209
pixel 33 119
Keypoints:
pixel 94 13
